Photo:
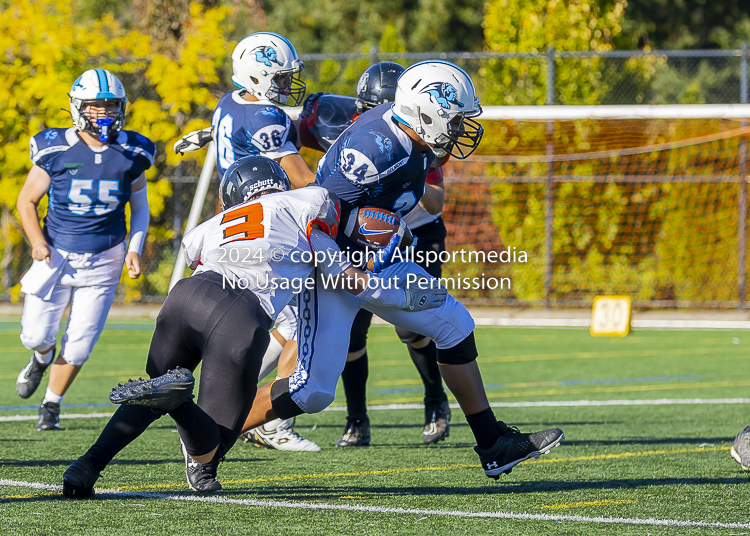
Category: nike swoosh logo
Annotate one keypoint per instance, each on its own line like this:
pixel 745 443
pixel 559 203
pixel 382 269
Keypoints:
pixel 365 231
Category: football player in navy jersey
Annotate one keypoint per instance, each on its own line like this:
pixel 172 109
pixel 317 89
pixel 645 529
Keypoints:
pixel 382 160
pixel 249 121
pixel 324 117
pixel 90 172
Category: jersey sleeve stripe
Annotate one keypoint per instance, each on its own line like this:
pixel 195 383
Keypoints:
pixel 287 149
pixel 140 151
pixel 48 150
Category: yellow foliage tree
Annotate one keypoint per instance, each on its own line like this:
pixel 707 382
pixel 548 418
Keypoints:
pixel 534 25
pixel 46 48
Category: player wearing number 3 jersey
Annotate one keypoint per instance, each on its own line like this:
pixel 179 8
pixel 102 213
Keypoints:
pixel 89 172
pixel 221 316
pixel 250 121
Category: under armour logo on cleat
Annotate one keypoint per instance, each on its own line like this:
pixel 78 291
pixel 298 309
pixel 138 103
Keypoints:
pixel 492 465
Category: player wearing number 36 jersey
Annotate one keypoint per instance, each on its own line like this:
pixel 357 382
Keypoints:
pixel 243 128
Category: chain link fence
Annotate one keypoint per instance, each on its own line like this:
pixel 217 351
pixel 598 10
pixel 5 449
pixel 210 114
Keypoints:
pixel 537 78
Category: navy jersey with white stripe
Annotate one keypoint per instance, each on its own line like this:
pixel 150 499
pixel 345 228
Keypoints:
pixel 89 189
pixel 374 163
pixel 243 128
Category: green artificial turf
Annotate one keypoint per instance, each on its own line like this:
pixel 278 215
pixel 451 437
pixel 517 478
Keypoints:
pixel 668 462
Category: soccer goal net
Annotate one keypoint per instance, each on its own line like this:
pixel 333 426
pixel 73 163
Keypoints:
pixel 645 201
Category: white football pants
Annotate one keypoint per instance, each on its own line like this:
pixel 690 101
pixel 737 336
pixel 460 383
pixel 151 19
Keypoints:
pixel 325 321
pixel 88 282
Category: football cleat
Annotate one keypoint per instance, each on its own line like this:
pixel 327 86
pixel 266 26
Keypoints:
pixel 165 392
pixel 31 376
pixel 49 417
pixel 278 434
pixel 200 476
pixel 513 447
pixel 741 448
pixel 357 434
pixel 79 479
pixel 436 419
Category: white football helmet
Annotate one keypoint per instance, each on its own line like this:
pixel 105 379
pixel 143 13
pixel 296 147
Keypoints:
pixel 437 100
pixel 266 65
pixel 98 85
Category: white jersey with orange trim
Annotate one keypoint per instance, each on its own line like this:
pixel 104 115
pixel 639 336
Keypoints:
pixel 263 245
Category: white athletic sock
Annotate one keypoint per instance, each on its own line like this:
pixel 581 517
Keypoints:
pixel 270 426
pixel 270 358
pixel 49 396
pixel 44 358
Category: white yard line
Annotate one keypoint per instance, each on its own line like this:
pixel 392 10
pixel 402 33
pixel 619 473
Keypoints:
pixel 385 510
pixel 536 404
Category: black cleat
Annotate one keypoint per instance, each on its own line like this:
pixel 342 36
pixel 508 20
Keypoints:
pixel 165 392
pixel 79 479
pixel 49 417
pixel 513 447
pixel 31 376
pixel 741 448
pixel 357 434
pixel 436 419
pixel 200 476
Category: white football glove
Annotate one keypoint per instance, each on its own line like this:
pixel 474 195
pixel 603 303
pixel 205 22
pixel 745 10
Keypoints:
pixel 418 299
pixel 193 141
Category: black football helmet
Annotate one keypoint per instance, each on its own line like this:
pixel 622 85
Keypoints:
pixel 378 85
pixel 250 177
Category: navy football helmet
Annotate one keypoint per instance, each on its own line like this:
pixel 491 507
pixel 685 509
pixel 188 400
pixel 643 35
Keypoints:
pixel 251 177
pixel 378 85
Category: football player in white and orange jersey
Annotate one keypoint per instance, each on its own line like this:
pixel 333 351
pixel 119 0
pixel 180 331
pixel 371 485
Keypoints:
pixel 249 260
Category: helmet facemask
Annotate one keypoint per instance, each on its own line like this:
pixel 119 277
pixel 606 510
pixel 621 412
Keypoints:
pixel 103 125
pixel 464 135
pixel 287 85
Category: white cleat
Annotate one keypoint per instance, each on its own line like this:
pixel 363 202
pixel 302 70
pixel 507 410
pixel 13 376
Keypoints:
pixel 279 435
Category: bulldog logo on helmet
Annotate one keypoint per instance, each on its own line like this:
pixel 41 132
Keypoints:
pixel 443 93
pixel 266 55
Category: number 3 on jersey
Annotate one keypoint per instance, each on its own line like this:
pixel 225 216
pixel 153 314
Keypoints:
pixel 250 228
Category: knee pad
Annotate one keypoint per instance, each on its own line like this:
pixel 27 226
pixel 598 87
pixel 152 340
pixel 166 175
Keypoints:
pixel 75 361
pixel 281 400
pixel 409 337
pixel 358 333
pixel 460 354
pixel 37 341
pixel 317 402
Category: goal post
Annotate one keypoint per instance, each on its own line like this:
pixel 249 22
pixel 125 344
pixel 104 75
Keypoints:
pixel 644 201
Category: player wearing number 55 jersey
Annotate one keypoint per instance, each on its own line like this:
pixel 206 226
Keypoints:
pixel 90 172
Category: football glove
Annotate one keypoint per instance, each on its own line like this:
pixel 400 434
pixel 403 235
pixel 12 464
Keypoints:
pixel 383 258
pixel 418 299
pixel 193 141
